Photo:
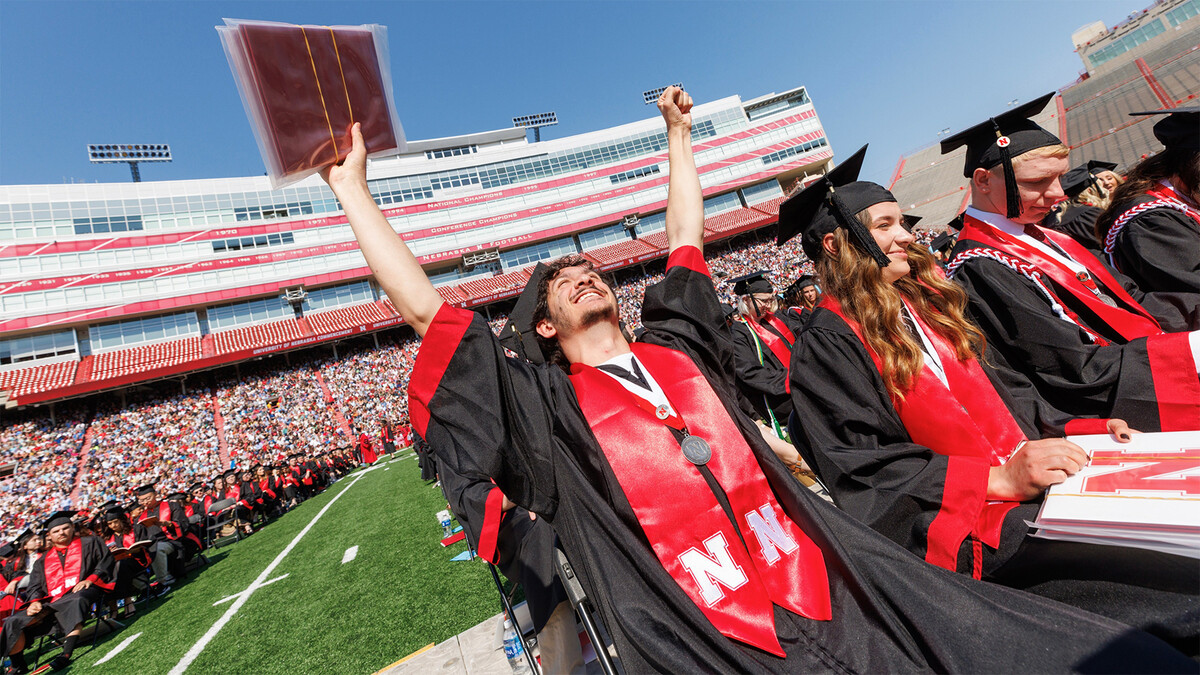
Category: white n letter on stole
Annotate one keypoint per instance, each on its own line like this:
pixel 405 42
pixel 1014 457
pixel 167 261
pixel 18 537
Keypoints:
pixel 771 536
pixel 715 568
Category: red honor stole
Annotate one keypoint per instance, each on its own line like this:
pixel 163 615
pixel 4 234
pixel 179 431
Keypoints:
pixel 967 422
pixel 733 584
pixel 1130 322
pixel 781 349
pixel 1162 191
pixel 164 521
pixel 60 580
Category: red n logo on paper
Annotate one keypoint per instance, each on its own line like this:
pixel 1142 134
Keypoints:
pixel 717 567
pixel 1174 475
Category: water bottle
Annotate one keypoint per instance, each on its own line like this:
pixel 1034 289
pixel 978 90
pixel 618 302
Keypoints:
pixel 444 521
pixel 514 651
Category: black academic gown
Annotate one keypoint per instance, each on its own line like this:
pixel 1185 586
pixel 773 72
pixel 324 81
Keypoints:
pixel 68 610
pixel 1160 250
pixel 852 436
pixel 523 549
pixel 1078 221
pixel 1069 371
pixel 762 383
pixel 522 425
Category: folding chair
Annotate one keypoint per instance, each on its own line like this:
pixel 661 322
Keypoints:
pixel 580 602
pixel 219 515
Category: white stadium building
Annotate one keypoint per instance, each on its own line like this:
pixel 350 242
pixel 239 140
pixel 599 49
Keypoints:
pixel 106 285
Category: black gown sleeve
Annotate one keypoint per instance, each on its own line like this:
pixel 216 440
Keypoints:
pixel 36 590
pixel 847 429
pixel 97 561
pixel 682 312
pixel 477 503
pixel 1070 372
pixel 482 410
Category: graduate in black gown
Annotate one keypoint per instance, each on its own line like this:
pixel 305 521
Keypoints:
pixel 918 437
pixel 1152 230
pixel 762 350
pixel 713 560
pixel 1089 341
pixel 1086 199
pixel 72 575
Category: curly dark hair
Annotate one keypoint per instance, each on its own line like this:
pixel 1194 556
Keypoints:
pixel 541 310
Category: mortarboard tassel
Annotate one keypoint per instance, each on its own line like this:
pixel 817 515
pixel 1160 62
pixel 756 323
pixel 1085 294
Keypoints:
pixel 1012 197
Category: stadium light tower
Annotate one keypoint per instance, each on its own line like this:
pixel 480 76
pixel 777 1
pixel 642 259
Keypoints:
pixel 651 96
pixel 536 122
pixel 130 153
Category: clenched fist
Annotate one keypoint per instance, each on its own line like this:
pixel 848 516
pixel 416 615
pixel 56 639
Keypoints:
pixel 675 105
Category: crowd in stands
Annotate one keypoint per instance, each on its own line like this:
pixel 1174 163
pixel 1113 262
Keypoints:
pixel 271 414
pixel 44 456
pixel 163 440
pixel 268 412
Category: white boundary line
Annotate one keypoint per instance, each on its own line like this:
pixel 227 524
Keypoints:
pixel 236 595
pixel 119 648
pixel 194 652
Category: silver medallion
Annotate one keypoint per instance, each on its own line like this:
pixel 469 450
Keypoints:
pixel 662 412
pixel 696 449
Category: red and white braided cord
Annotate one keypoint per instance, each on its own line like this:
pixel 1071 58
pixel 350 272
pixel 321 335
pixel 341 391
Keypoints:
pixel 1029 272
pixel 1110 240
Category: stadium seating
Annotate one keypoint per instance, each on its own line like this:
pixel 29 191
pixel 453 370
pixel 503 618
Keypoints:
pixel 481 288
pixel 735 219
pixel 345 317
pixel 656 240
pixel 449 293
pixel 770 207
pixel 261 335
pixel 145 357
pixel 38 378
pixel 614 253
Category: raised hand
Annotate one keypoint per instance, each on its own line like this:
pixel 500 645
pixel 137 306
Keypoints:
pixel 675 105
pixel 353 169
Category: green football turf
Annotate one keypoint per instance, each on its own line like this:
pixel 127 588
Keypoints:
pixel 398 595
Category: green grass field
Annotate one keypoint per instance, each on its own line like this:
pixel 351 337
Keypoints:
pixel 399 594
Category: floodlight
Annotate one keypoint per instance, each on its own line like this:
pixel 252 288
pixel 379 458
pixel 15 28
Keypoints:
pixel 129 153
pixel 536 122
pixel 652 95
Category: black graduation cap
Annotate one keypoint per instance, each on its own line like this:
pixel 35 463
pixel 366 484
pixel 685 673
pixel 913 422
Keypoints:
pixel 7 551
pixel 24 537
pixel 177 497
pixel 941 242
pixel 229 473
pixel 1179 129
pixel 755 282
pixel 802 283
pixel 147 489
pixel 198 485
pixel 910 221
pixel 1083 176
pixel 727 309
pixel 518 333
pixel 57 518
pixel 998 139
pixel 115 513
pixel 830 202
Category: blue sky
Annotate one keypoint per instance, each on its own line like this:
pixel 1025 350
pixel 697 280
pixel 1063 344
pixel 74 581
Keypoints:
pixel 889 73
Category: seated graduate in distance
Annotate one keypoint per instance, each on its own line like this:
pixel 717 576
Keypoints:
pixel 700 550
pixel 917 435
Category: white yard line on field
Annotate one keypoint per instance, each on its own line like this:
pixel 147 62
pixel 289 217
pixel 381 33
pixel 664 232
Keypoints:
pixel 350 554
pixel 236 595
pixel 119 648
pixel 194 652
